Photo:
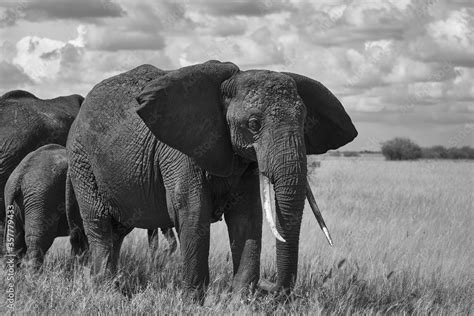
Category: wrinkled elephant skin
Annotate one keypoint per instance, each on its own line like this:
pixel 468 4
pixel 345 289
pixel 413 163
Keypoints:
pixel 153 148
pixel 36 190
pixel 27 123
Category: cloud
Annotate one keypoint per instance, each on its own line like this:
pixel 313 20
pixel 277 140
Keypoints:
pixel 220 26
pixel 395 65
pixel 40 58
pixel 255 50
pixel 98 38
pixel 49 67
pixel 241 7
pixel 7 50
pixel 447 40
pixel 12 76
pixel 143 27
pixel 43 10
pixel 356 22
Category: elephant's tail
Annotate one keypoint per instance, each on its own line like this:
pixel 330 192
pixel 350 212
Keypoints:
pixel 77 235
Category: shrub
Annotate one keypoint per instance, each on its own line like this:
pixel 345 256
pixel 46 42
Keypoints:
pixel 351 154
pixel 458 153
pixel 334 153
pixel 401 149
pixel 435 152
pixel 314 164
pixel 469 151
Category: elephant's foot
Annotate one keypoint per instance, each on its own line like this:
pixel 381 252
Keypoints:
pixel 268 287
pixel 271 288
pixel 244 287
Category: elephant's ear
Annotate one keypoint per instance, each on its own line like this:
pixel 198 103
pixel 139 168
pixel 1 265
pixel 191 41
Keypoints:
pixel 327 126
pixel 183 110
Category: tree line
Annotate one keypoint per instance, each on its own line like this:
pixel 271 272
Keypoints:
pixel 405 149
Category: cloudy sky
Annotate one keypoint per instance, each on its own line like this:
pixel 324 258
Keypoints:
pixel 401 68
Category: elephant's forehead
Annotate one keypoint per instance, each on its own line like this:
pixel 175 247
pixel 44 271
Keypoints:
pixel 264 80
pixel 259 89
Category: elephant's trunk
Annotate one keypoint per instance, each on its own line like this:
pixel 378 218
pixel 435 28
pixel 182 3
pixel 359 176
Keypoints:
pixel 286 167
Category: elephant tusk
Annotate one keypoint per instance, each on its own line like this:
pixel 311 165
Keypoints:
pixel 265 188
pixel 176 237
pixel 317 212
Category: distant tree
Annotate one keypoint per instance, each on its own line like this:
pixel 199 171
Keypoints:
pixel 401 149
pixel 435 152
pixel 369 152
pixel 469 151
pixel 458 153
pixel 350 154
pixel 334 153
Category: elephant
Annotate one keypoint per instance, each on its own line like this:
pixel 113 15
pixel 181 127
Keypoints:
pixel 153 238
pixel 27 123
pixel 36 191
pixel 182 148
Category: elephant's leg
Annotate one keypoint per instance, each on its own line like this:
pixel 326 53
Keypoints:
pixel 77 236
pixel 244 222
pixel 41 225
pixel 37 246
pixel 171 239
pixel 105 236
pixel 79 244
pixel 194 233
pixel 95 216
pixel 153 243
pixel 119 232
pixel 99 233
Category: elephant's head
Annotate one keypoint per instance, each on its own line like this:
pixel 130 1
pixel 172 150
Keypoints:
pixel 75 100
pixel 214 111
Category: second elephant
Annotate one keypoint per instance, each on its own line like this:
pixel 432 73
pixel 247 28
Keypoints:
pixel 36 191
pixel 26 123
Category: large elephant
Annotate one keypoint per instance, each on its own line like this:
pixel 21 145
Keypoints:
pixel 27 123
pixel 153 148
pixel 36 192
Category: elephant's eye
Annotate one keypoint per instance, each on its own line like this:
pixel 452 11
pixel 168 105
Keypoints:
pixel 254 124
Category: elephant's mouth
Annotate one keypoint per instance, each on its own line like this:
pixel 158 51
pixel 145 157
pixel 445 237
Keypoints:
pixel 267 198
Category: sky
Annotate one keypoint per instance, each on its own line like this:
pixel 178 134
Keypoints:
pixel 401 68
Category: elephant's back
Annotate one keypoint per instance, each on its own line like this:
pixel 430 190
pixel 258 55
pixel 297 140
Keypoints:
pixel 48 164
pixel 26 113
pixel 109 107
pixel 15 113
pixel 21 130
pixel 119 92
pixel 17 95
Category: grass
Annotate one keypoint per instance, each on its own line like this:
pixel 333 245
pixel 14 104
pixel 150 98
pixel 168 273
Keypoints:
pixel 403 235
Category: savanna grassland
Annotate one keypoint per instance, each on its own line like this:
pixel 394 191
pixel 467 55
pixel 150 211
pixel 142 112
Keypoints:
pixel 404 243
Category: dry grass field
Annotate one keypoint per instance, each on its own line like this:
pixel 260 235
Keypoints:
pixel 404 243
